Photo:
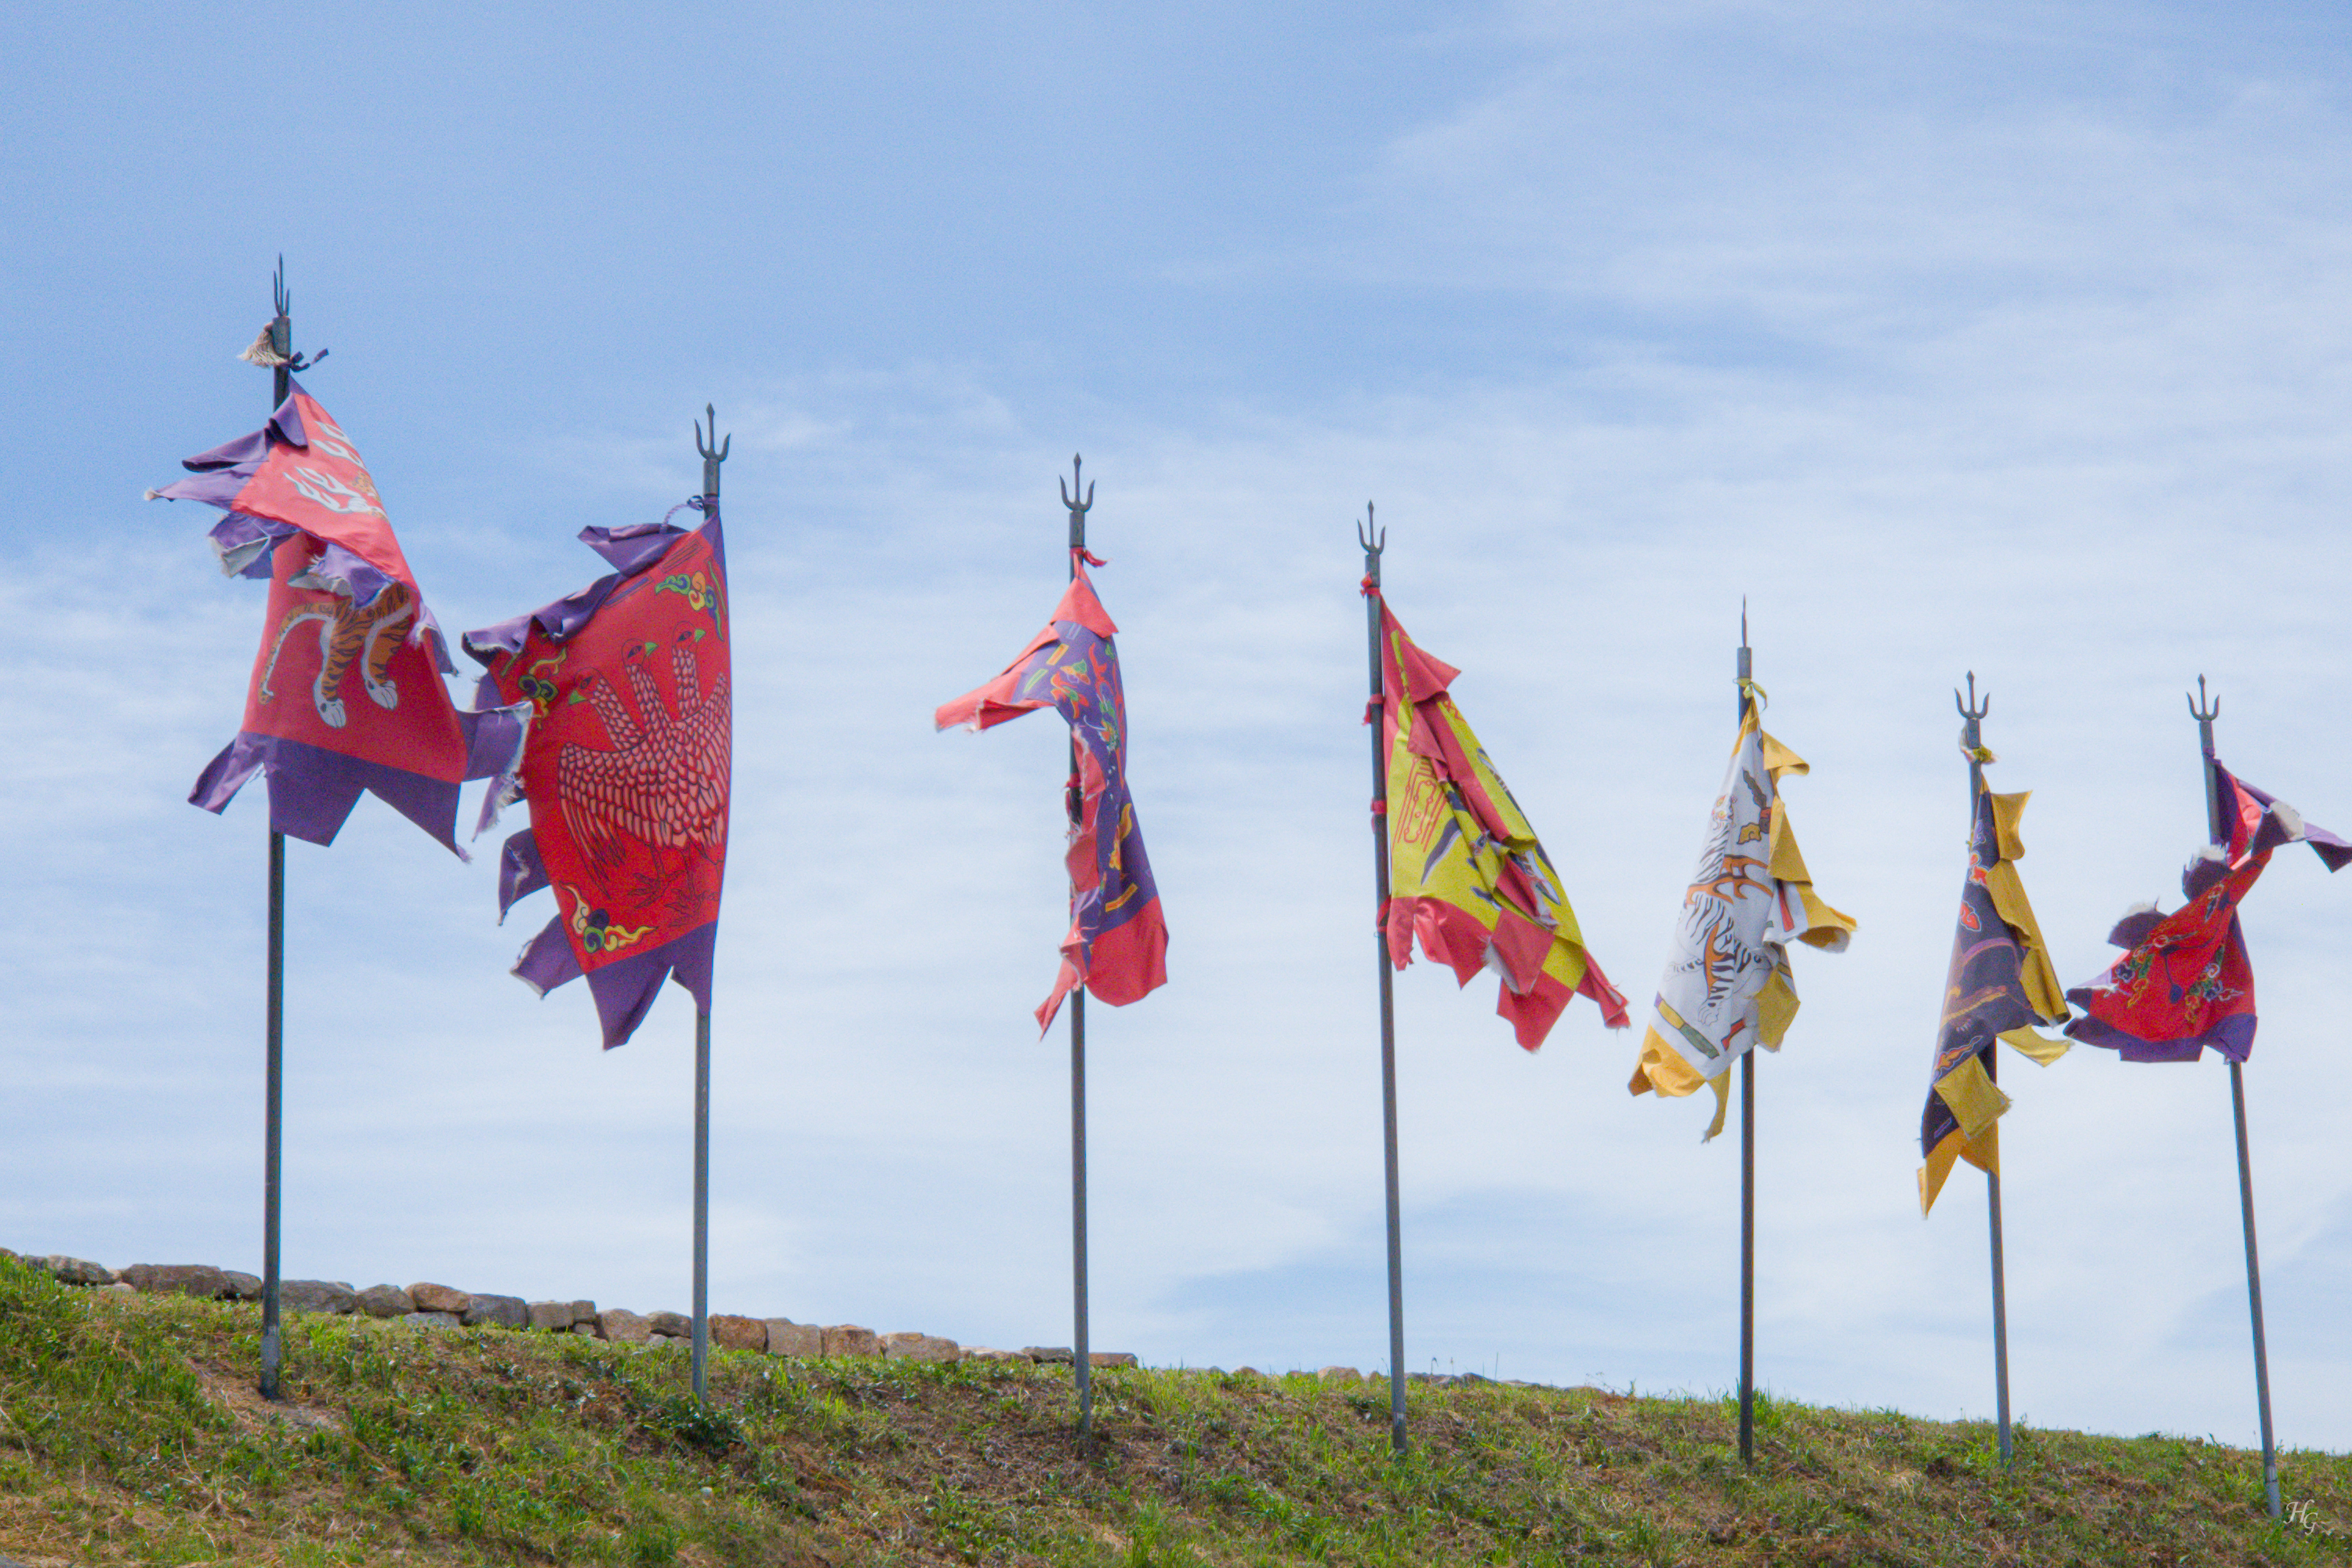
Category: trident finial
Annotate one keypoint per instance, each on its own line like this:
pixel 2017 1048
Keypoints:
pixel 1077 467
pixel 711 459
pixel 1373 538
pixel 274 348
pixel 1968 709
pixel 1080 501
pixel 2198 710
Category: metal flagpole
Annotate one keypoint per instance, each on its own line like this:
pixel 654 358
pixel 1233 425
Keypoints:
pixel 1747 1157
pixel 714 452
pixel 2218 831
pixel 281 377
pixel 1081 1360
pixel 1374 540
pixel 1972 742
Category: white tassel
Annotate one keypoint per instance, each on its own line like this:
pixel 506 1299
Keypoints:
pixel 264 352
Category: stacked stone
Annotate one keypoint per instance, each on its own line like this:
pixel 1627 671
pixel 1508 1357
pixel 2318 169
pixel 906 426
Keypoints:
pixel 426 1305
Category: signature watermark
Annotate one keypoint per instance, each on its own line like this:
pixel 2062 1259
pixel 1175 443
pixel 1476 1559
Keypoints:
pixel 2299 1517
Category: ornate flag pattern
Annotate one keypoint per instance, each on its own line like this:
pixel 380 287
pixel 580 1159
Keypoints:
pixel 628 769
pixel 1467 874
pixel 1117 945
pixel 2000 984
pixel 346 692
pixel 2185 981
pixel 1728 986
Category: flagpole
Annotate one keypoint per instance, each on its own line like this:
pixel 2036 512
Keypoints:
pixel 1746 1158
pixel 1972 742
pixel 713 452
pixel 1374 540
pixel 1082 1363
pixel 2218 831
pixel 281 376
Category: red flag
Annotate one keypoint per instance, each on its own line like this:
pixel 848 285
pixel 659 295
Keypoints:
pixel 626 769
pixel 346 691
pixel 1117 943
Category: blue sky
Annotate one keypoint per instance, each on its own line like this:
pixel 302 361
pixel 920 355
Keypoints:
pixel 2008 340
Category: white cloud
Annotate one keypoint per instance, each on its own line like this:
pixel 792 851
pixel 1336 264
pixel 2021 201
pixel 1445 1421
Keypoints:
pixel 1980 365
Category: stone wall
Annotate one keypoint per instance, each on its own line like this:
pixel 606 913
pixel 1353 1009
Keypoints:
pixel 426 1305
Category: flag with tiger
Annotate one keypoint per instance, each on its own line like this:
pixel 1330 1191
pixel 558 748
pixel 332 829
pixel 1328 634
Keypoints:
pixel 346 694
pixel 1727 987
pixel 628 771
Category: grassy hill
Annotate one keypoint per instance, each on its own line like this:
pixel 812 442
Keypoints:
pixel 128 1432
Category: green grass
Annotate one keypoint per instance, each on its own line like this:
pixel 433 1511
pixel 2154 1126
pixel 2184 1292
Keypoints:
pixel 128 1433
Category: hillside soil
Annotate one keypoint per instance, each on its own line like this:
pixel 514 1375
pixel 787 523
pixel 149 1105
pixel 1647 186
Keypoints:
pixel 129 1433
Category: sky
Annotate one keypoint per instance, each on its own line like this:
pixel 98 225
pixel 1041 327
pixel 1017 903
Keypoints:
pixel 1996 339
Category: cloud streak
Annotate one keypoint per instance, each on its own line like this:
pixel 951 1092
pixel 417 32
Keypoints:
pixel 1946 354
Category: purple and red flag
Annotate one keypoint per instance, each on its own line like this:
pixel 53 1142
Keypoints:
pixel 346 692
pixel 2185 981
pixel 627 769
pixel 1117 943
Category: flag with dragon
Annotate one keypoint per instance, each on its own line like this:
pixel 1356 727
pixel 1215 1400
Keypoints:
pixel 1468 877
pixel 626 771
pixel 346 694
pixel 1727 987
pixel 2001 983
pixel 1117 945
pixel 2185 983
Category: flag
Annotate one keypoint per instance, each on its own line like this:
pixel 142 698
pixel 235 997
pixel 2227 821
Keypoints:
pixel 1466 873
pixel 626 771
pixel 2185 981
pixel 2000 984
pixel 1117 945
pixel 346 692
pixel 1728 986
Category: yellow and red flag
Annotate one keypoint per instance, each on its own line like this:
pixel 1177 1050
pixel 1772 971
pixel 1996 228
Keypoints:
pixel 1466 873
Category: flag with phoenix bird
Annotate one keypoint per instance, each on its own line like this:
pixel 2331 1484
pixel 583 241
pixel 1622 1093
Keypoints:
pixel 628 769
pixel 2185 981
pixel 1468 877
pixel 1117 945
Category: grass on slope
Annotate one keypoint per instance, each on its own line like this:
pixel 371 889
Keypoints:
pixel 128 1432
